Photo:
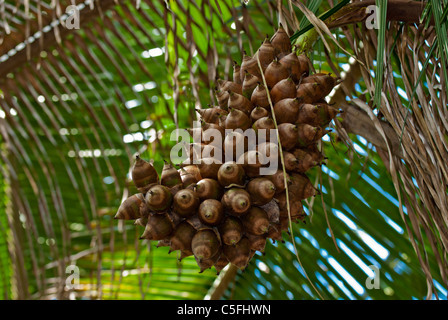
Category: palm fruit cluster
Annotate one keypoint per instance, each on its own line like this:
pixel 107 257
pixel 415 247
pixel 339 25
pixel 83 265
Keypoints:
pixel 220 211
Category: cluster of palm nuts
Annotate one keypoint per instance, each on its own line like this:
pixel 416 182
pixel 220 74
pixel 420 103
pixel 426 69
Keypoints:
pixel 220 211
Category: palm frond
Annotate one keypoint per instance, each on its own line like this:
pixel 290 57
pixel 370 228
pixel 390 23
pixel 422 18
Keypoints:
pixel 77 104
